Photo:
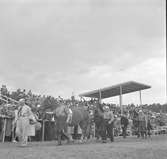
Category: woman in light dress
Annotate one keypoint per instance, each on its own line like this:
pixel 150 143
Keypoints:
pixel 23 126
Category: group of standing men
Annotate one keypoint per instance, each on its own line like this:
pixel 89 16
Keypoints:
pixel 108 122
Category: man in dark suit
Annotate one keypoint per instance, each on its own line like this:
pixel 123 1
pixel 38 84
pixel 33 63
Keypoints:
pixel 124 124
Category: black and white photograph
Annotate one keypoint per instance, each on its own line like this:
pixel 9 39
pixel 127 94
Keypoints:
pixel 83 79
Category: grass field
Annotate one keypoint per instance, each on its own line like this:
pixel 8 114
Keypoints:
pixel 130 148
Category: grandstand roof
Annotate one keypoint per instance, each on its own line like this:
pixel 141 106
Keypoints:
pixel 127 87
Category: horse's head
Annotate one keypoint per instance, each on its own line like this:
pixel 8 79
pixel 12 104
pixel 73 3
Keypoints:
pixel 60 111
pixel 60 117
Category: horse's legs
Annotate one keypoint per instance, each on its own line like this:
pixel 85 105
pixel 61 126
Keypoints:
pixel 138 133
pixel 82 135
pixel 148 133
pixel 69 134
pixel 84 127
pixel 98 131
pixel 145 134
pixel 59 137
pixel 88 129
pixel 64 134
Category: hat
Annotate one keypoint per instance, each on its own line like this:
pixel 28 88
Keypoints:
pixel 8 105
pixel 22 100
pixel 115 116
pixel 38 105
pixel 106 108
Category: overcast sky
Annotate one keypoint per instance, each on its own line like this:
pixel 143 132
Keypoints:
pixel 55 47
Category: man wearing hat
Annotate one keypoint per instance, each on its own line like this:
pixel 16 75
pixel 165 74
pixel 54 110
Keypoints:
pixel 108 124
pixel 142 124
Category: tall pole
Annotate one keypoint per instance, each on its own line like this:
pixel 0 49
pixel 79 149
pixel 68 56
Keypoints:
pixel 4 130
pixel 166 77
pixel 43 130
pixel 140 98
pixel 94 127
pixel 99 96
pixel 120 100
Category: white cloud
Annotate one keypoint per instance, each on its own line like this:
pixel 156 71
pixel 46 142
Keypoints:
pixel 151 72
pixel 57 47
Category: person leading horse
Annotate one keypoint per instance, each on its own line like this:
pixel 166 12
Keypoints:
pixel 74 116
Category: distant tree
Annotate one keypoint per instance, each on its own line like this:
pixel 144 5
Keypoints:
pixel 164 108
pixel 4 90
pixel 16 94
pixel 50 103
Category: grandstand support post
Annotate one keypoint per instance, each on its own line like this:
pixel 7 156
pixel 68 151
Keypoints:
pixel 99 96
pixel 140 98
pixel 120 99
pixel 94 130
pixel 43 130
pixel 4 130
pixel 166 78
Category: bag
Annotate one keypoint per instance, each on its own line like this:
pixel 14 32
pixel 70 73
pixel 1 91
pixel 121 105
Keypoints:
pixel 32 122
pixel 32 119
pixel 38 126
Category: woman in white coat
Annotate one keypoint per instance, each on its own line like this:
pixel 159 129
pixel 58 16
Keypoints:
pixel 23 126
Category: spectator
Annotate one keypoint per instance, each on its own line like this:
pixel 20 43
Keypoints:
pixel 149 126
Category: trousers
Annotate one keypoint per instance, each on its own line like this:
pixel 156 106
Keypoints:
pixel 107 130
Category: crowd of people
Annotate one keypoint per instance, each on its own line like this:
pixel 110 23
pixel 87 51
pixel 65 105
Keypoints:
pixel 35 107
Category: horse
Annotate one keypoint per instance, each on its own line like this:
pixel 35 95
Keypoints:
pixel 80 116
pixel 99 121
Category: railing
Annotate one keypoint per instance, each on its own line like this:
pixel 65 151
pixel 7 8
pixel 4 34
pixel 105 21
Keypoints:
pixel 7 99
pixel 3 100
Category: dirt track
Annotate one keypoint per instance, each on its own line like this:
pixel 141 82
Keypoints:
pixel 130 148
